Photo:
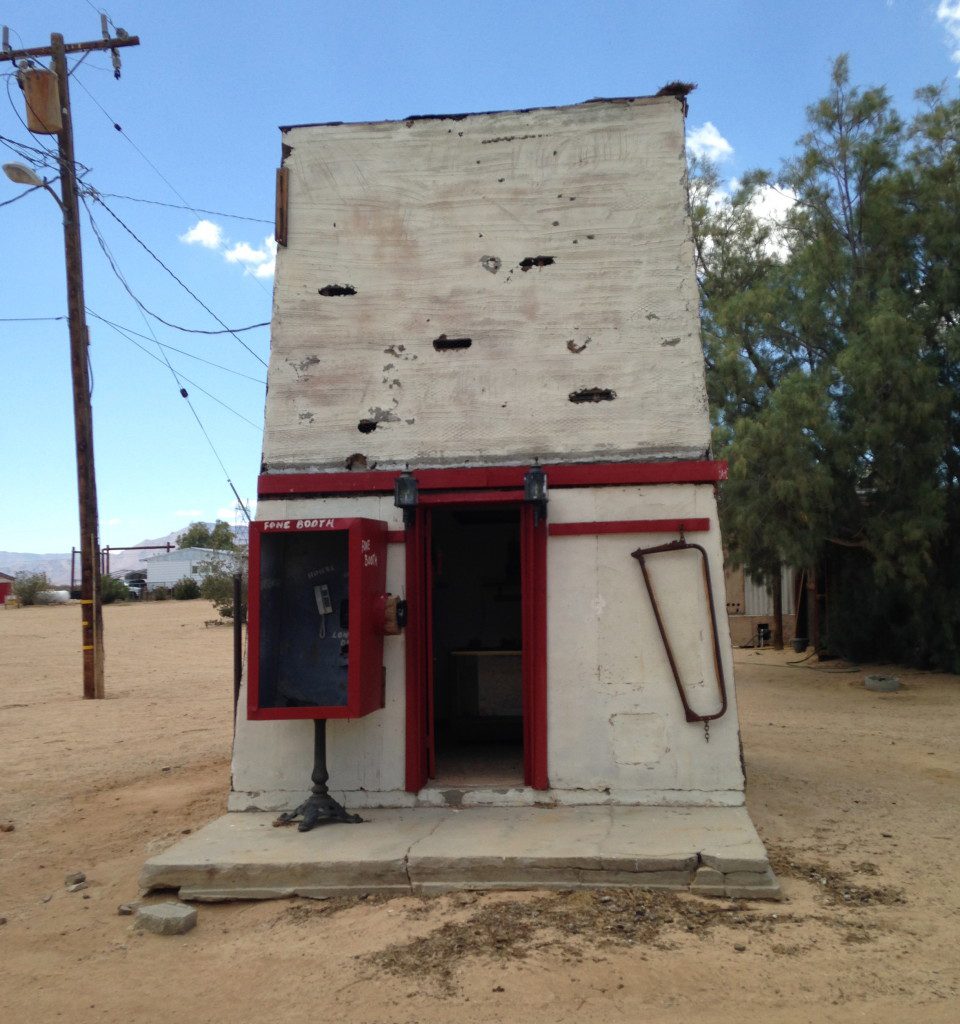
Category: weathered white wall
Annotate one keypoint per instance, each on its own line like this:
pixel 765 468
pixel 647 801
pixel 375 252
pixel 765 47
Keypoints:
pixel 616 731
pixel 411 214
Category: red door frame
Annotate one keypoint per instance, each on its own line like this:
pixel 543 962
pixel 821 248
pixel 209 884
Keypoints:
pixel 419 639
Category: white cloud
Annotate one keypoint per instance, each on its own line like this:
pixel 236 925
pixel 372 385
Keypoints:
pixel 243 252
pixel 259 262
pixel 707 141
pixel 227 513
pixel 948 14
pixel 256 260
pixel 115 521
pixel 204 233
pixel 770 205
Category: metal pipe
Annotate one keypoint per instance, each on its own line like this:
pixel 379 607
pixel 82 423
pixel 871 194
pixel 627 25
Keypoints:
pixel 682 545
pixel 237 640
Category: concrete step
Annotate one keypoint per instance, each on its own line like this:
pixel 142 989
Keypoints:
pixel 710 850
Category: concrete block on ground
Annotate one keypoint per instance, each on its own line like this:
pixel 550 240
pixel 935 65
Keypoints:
pixel 708 882
pixel 752 885
pixel 242 856
pixel 166 918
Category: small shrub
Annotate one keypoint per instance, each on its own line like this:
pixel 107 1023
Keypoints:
pixel 27 585
pixel 112 589
pixel 159 594
pixel 217 585
pixel 186 589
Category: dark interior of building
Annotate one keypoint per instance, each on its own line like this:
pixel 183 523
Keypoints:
pixel 478 714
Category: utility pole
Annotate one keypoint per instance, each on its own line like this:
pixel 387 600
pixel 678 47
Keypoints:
pixel 90 589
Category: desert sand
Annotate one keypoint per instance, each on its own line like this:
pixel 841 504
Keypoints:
pixel 855 794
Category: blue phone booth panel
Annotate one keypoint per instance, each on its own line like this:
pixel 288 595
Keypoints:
pixel 304 619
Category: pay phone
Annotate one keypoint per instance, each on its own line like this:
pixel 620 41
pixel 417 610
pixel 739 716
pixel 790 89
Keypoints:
pixel 316 625
pixel 316 618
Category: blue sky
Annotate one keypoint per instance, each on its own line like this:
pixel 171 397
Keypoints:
pixel 200 101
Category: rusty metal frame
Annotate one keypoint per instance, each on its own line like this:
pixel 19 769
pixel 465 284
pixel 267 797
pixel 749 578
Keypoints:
pixel 683 545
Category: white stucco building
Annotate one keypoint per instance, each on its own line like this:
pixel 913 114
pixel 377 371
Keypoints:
pixel 557 241
pixel 463 303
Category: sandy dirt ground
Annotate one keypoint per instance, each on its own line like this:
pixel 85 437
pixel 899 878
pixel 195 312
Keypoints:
pixel 855 794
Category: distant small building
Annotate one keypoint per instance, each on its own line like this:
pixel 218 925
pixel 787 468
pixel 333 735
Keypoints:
pixel 750 604
pixel 6 586
pixel 168 568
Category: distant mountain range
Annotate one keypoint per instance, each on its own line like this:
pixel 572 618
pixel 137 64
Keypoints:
pixel 57 566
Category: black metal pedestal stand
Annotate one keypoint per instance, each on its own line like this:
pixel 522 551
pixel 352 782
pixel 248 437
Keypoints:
pixel 320 808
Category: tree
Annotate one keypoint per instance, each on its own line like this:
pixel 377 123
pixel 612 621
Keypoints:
pixel 217 576
pixel 832 359
pixel 186 589
pixel 113 589
pixel 27 585
pixel 200 535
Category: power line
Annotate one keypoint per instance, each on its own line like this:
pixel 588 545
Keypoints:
pixel 156 169
pixel 156 316
pixel 192 209
pixel 172 348
pixel 20 195
pixel 178 377
pixel 28 319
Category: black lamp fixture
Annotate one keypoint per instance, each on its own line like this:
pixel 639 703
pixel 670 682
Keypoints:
pixel 405 495
pixel 535 491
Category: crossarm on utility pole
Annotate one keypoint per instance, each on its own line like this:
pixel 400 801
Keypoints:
pixel 50 51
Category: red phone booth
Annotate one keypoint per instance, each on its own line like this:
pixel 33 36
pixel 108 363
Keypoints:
pixel 316 626
pixel 316 618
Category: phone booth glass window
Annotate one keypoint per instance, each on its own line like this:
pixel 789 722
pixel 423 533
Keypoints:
pixel 316 610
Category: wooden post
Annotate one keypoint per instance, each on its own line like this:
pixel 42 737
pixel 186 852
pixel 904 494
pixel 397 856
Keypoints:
pixel 778 609
pixel 91 611
pixel 90 603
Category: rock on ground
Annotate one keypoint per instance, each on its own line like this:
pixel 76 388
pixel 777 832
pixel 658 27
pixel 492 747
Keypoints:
pixel 166 918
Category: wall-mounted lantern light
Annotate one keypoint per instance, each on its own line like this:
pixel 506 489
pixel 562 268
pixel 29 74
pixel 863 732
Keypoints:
pixel 535 491
pixel 405 495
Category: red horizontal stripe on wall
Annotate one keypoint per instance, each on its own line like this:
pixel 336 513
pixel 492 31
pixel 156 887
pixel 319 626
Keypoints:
pixel 592 474
pixel 629 526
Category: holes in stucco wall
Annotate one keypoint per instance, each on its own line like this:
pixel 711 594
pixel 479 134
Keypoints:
pixel 536 261
pixel 491 263
pixel 367 426
pixel 337 289
pixel 445 344
pixel 592 395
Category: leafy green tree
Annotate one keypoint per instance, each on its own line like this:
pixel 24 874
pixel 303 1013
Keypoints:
pixel 27 585
pixel 831 346
pixel 186 589
pixel 199 535
pixel 216 586
pixel 113 589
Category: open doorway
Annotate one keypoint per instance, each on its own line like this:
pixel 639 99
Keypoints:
pixel 477 641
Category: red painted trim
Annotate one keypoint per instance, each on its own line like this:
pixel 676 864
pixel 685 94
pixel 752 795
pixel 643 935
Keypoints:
pixel 630 526
pixel 416 712
pixel 533 589
pixel 587 474
pixel 396 536
pixel 428 653
pixel 419 652
pixel 470 497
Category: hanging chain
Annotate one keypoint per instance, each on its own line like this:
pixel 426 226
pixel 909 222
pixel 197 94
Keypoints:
pixel 706 731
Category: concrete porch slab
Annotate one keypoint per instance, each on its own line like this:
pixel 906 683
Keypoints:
pixel 242 856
